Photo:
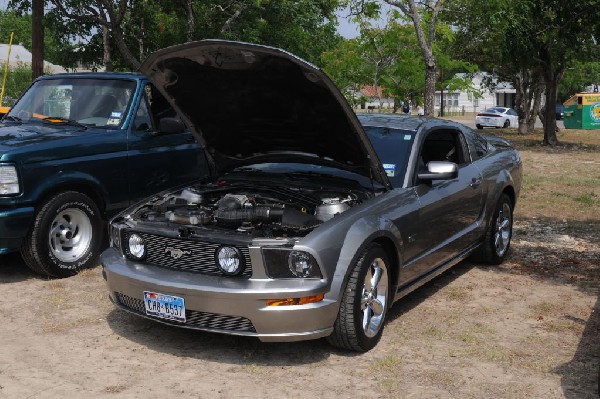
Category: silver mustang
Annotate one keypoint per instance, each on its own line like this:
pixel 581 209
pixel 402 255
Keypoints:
pixel 314 221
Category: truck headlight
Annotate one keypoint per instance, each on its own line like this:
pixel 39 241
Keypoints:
pixel 9 181
pixel 289 263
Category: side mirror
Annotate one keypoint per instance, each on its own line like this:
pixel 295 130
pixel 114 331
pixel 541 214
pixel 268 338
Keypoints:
pixel 170 126
pixel 440 170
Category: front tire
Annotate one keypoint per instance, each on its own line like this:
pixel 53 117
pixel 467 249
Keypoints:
pixel 66 236
pixel 495 246
pixel 365 301
pixel 479 127
pixel 506 124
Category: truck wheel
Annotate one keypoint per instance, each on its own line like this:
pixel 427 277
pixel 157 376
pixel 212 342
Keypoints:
pixel 66 236
pixel 495 246
pixel 359 324
pixel 479 127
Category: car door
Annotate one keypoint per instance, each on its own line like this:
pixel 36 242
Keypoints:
pixel 449 209
pixel 158 160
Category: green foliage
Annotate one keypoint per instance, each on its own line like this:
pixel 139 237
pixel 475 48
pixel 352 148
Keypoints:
pixel 17 80
pixel 56 50
pixel 304 27
pixel 578 77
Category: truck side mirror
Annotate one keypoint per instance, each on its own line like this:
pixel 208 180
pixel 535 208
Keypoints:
pixel 171 125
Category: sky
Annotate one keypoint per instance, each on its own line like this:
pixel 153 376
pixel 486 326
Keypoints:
pixel 349 29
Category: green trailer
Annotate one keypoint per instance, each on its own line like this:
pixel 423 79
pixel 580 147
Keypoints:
pixel 582 111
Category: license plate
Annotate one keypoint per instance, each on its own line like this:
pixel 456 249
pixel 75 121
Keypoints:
pixel 164 306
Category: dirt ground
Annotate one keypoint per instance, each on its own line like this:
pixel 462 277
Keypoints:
pixel 526 329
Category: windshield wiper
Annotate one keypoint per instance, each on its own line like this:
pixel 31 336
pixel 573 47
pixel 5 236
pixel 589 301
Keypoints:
pixel 13 118
pixel 58 119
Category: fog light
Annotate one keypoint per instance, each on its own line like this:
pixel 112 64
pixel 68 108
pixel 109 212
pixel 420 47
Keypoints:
pixel 301 264
pixel 229 260
pixel 137 247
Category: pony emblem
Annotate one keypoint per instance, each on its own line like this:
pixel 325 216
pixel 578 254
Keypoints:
pixel 176 253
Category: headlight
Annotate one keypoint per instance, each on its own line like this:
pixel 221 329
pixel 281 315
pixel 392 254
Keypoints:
pixel 9 182
pixel 137 247
pixel 287 263
pixel 229 260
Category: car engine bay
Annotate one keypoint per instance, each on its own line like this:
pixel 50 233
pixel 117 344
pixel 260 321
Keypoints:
pixel 261 211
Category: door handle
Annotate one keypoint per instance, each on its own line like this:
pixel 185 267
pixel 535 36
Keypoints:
pixel 475 182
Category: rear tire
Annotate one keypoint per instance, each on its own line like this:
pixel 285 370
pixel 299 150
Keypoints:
pixel 66 236
pixel 495 246
pixel 364 304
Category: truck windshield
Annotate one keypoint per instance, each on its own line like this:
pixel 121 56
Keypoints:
pixel 84 101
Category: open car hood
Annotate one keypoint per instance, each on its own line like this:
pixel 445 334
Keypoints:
pixel 248 103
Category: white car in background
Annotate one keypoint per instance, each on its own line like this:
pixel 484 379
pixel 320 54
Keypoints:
pixel 497 117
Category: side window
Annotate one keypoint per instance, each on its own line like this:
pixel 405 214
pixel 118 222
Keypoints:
pixel 443 145
pixel 152 109
pixel 480 147
pixel 143 120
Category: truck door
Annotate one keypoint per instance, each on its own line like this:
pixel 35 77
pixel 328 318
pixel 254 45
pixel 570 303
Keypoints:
pixel 158 160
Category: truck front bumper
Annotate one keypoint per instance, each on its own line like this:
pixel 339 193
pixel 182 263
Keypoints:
pixel 14 225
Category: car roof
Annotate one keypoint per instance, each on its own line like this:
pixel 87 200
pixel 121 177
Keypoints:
pixel 405 122
pixel 91 75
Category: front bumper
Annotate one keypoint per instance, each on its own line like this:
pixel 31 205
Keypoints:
pixel 14 225
pixel 223 304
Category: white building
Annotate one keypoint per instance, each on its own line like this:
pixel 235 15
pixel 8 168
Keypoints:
pixel 503 94
pixel 19 55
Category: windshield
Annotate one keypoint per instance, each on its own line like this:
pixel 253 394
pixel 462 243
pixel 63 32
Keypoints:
pixel 393 149
pixel 87 101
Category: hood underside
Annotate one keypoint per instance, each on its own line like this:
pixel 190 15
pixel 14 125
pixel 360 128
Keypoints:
pixel 249 103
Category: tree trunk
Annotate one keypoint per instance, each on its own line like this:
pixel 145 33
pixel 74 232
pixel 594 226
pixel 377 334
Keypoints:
pixel 535 108
pixel 519 84
pixel 107 55
pixel 133 62
pixel 37 38
pixel 191 23
pixel 430 72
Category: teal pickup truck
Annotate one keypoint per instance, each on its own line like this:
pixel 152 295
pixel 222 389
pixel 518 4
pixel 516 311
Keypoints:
pixel 74 150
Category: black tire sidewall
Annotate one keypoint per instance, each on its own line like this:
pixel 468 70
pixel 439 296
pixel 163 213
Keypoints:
pixel 495 258
pixel 375 251
pixel 54 206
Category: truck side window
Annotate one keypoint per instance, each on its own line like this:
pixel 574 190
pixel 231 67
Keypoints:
pixel 143 121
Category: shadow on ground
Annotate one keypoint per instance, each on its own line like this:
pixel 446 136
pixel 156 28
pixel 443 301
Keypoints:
pixel 581 376
pixel 14 270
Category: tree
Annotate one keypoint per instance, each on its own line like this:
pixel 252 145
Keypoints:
pixel 424 17
pixel 138 27
pixel 346 67
pixel 537 40
pixel 578 77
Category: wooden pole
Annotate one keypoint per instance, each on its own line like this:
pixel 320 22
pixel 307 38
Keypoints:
pixel 37 38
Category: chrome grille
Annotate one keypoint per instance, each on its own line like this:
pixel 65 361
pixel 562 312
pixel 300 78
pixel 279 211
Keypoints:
pixel 198 256
pixel 194 318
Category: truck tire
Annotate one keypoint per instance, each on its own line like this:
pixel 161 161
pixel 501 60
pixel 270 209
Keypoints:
pixel 66 236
